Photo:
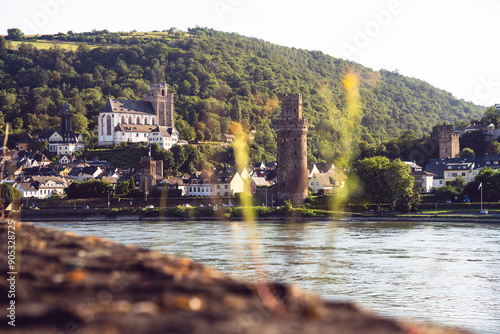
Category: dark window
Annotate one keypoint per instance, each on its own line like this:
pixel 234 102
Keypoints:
pixel 108 126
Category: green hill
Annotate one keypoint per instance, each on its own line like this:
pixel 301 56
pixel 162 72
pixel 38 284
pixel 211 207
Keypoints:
pixel 217 78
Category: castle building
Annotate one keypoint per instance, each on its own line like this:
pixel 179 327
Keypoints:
pixel 64 141
pixel 448 141
pixel 291 132
pixel 132 121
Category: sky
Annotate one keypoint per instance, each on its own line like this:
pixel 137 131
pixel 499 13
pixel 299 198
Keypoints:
pixel 452 44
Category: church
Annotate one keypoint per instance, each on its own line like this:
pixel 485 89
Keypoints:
pixel 134 121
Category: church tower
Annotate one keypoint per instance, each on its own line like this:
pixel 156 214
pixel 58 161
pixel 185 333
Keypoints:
pixel 291 132
pixel 163 103
pixel 66 122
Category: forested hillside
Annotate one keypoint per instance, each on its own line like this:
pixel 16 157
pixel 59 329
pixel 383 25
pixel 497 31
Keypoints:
pixel 217 78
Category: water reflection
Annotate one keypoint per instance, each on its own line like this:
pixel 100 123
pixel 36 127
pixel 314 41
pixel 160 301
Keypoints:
pixel 441 272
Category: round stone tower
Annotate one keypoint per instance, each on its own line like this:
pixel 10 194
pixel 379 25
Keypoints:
pixel 291 131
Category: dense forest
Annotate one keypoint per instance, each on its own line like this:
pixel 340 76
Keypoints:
pixel 216 78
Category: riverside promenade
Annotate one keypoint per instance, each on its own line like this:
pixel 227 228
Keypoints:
pixel 59 282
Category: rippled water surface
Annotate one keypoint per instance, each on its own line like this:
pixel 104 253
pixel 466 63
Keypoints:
pixel 446 273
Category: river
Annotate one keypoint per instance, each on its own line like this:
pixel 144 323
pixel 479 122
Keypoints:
pixel 444 273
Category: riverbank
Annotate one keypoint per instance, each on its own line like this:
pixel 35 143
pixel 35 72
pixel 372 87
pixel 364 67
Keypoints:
pixel 68 283
pixel 235 214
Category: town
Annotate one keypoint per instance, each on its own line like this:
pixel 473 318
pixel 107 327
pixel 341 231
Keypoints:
pixel 151 122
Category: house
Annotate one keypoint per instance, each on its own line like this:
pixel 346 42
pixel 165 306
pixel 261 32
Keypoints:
pixel 89 173
pixel 132 121
pixel 71 160
pixel 85 173
pixel 256 182
pixel 29 159
pixel 438 167
pixel 110 175
pixel 423 180
pixel 43 186
pixel 23 142
pixel 28 190
pixel 462 169
pixel 488 161
pixel 65 140
pixel 322 167
pixel 227 138
pixel 165 137
pixel 228 182
pixel 172 186
pixel 200 184
pixel 322 183
pixel 487 129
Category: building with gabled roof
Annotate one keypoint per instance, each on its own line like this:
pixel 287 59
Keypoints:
pixel 166 137
pixel 228 182
pixel 42 186
pixel 65 140
pixel 132 121
pixel 322 183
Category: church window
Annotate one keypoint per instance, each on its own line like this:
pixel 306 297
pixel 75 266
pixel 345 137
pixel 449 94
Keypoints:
pixel 146 121
pixel 163 92
pixel 138 120
pixel 123 120
pixel 108 126
pixel 130 120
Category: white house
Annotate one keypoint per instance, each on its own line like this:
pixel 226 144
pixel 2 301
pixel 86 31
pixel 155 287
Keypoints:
pixel 322 183
pixel 423 179
pixel 164 136
pixel 200 184
pixel 43 186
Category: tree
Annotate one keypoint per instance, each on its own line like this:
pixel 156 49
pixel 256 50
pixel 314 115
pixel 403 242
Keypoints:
pixel 8 193
pixel 491 116
pixel 131 184
pixel 236 111
pixel 3 43
pixel 387 182
pixel 41 146
pixel 187 133
pixel 15 34
pixel 445 193
pixel 489 180
pixel 494 148
pixel 467 153
pixel 122 188
pixel 199 135
pixel 80 123
pixel 89 189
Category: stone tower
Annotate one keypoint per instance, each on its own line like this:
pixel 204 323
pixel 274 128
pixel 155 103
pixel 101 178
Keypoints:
pixel 66 122
pixel 151 172
pixel 163 103
pixel 291 132
pixel 448 141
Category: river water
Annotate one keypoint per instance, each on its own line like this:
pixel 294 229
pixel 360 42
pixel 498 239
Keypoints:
pixel 444 273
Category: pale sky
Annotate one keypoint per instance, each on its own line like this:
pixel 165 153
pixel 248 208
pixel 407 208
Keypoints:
pixel 452 44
